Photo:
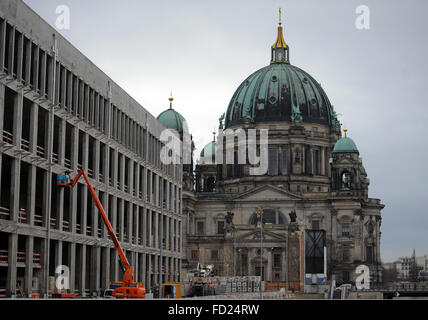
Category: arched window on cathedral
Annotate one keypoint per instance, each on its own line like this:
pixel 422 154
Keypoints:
pixel 270 216
pixel 346 180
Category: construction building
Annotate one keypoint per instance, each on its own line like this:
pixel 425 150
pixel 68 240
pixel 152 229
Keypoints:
pixel 59 112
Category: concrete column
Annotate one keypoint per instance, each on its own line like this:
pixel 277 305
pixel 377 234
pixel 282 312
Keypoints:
pixel 148 272
pixel 106 164
pixel 14 189
pixel 96 161
pixel 73 209
pixel 149 192
pixel 105 276
pixel 29 249
pixel 136 224
pixel 144 183
pixel 61 142
pixel 121 219
pixel 156 268
pixel 149 213
pixel 131 180
pixel 95 268
pixel 82 267
pixel 95 216
pixel 11 270
pixel 2 92
pixel 58 256
pixel 130 213
pixel 83 209
pixel 74 206
pixel 72 261
pixel 60 207
pixel 17 119
pixel 122 173
pixel 31 194
pixel 75 147
pixel 114 213
pixel 16 162
pixel 105 202
pixel 167 235
pixel 137 181
pixel 156 235
pixel 115 166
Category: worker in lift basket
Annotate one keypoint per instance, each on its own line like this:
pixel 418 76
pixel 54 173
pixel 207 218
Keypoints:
pixel 67 177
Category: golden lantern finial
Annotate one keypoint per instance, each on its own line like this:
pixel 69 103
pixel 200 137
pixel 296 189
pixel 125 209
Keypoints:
pixel 345 130
pixel 171 99
pixel 279 43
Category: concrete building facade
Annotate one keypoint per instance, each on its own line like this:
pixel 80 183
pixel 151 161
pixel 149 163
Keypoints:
pixel 59 112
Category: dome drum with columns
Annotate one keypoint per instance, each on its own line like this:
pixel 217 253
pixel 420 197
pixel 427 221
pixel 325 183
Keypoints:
pixel 315 181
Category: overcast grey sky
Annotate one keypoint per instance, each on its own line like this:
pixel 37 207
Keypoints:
pixel 203 50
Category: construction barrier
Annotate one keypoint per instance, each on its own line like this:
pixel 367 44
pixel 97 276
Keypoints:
pixel 276 286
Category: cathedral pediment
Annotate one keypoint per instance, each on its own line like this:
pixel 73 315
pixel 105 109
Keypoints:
pixel 268 193
pixel 254 235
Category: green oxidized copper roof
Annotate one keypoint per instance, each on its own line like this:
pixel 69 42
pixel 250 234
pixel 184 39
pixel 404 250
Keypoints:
pixel 270 94
pixel 173 120
pixel 208 150
pixel 345 144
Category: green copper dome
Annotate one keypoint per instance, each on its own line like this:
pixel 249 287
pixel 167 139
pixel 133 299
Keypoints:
pixel 208 151
pixel 280 92
pixel 345 144
pixel 173 119
pixel 275 93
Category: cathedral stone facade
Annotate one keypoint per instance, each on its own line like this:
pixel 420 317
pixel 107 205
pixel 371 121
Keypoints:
pixel 315 185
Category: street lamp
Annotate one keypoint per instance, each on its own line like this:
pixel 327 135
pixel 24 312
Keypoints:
pixel 260 216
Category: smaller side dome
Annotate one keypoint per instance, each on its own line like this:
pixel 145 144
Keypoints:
pixel 208 151
pixel 345 144
pixel 173 119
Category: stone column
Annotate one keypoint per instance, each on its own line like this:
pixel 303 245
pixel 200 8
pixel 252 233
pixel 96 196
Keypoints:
pixel 323 165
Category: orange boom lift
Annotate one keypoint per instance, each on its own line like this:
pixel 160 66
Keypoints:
pixel 128 288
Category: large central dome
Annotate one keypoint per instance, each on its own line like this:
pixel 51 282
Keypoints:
pixel 280 92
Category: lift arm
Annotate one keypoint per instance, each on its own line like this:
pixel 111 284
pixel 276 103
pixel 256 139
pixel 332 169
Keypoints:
pixel 128 270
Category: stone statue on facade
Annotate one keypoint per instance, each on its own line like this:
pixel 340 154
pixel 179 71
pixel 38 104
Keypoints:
pixel 221 119
pixel 296 116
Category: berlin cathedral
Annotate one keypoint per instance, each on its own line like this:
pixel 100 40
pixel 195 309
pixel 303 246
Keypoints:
pixel 309 218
